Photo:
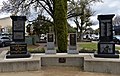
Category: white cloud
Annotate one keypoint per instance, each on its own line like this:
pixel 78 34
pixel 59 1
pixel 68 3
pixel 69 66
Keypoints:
pixel 2 15
pixel 94 18
pixel 107 7
pixel 2 1
pixel 95 26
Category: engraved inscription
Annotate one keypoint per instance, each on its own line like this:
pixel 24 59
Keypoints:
pixel 18 35
pixel 50 37
pixel 19 25
pixel 62 60
pixel 18 48
pixel 109 31
pixel 106 48
pixel 73 39
pixel 102 29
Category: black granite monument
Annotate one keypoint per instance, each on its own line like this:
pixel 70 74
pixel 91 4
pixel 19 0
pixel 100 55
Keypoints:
pixel 18 48
pixel 73 39
pixel 73 44
pixel 106 46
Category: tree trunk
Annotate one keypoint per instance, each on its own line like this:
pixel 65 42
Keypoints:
pixel 81 30
pixel 82 23
pixel 60 21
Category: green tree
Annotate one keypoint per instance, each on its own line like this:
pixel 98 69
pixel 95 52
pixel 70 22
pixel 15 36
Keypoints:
pixel 9 29
pixel 28 29
pixel 58 15
pixel 116 21
pixel 41 26
pixel 96 31
pixel 60 22
pixel 71 29
pixel 82 21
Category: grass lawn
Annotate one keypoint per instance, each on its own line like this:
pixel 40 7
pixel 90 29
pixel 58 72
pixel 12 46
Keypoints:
pixel 117 48
pixel 32 46
pixel 90 46
pixel 36 48
pixel 87 46
pixel 81 46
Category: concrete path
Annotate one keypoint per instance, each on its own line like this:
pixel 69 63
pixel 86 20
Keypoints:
pixel 2 55
pixel 56 71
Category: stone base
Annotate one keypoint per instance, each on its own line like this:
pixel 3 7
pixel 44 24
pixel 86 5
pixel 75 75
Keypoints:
pixel 62 60
pixel 106 55
pixel 27 55
pixel 50 51
pixel 73 51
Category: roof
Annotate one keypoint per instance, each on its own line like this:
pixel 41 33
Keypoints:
pixel 4 18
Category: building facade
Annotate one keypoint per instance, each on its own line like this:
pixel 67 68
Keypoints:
pixel 5 25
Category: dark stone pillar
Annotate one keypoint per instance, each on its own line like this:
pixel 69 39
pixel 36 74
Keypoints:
pixel 106 46
pixel 18 48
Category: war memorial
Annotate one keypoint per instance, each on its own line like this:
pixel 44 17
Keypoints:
pixel 18 48
pixel 105 60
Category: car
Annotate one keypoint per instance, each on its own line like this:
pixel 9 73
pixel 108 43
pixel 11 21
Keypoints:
pixel 87 36
pixel 43 37
pixel 116 39
pixel 4 41
pixel 95 37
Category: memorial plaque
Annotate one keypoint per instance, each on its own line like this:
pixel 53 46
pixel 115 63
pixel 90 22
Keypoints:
pixel 106 30
pixel 106 48
pixel 18 28
pixel 19 25
pixel 18 35
pixel 18 48
pixel 62 60
pixel 50 44
pixel 50 37
pixel 109 29
pixel 73 39
pixel 73 44
pixel 102 29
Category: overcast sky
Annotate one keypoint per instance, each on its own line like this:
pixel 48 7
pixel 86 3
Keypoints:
pixel 107 7
pixel 2 15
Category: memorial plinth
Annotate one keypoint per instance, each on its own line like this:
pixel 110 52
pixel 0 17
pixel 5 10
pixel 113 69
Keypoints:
pixel 106 50
pixel 73 44
pixel 18 48
pixel 50 44
pixel 106 46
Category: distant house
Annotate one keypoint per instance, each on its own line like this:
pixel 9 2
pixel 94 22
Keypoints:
pixel 5 24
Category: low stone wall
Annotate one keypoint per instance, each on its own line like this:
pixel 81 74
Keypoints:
pixel 24 64
pixel 87 62
pixel 62 61
pixel 111 66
